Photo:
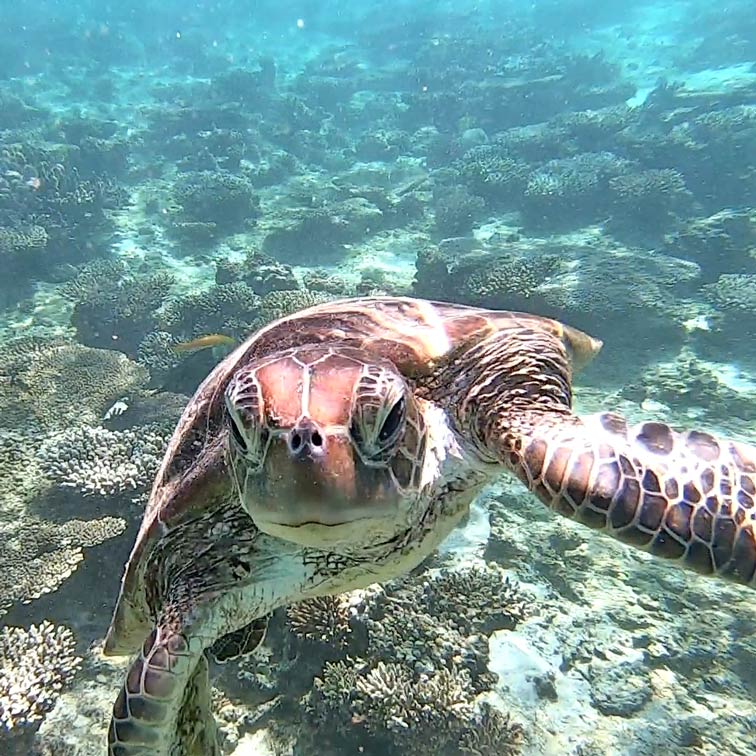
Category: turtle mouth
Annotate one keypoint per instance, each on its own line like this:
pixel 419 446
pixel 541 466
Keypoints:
pixel 346 535
pixel 320 500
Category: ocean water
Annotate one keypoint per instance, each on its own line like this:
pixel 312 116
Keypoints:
pixel 174 177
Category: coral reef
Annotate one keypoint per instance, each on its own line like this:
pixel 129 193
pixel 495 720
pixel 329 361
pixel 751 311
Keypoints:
pixel 114 308
pixel 53 384
pixel 162 181
pixel 397 666
pixel 35 665
pixel 38 556
pixel 211 204
pixel 99 461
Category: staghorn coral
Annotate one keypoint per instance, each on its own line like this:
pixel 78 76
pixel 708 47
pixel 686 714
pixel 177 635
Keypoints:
pixel 99 461
pixel 36 663
pixel 52 384
pixel 38 556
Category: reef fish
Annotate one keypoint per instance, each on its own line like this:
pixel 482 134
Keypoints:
pixel 204 342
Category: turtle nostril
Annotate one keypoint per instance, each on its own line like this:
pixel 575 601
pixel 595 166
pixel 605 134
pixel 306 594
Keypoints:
pixel 317 439
pixel 295 441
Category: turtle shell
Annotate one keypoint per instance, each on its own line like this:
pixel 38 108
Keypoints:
pixel 416 335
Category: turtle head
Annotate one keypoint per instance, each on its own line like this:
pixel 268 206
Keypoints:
pixel 326 446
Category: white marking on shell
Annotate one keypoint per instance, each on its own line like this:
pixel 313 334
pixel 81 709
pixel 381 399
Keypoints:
pixel 440 344
pixel 443 447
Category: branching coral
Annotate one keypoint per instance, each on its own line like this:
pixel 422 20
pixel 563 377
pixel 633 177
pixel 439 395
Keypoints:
pixel 456 210
pixel 503 282
pixel 491 172
pixel 43 186
pixel 35 665
pixel 475 600
pixel 491 734
pixel 407 713
pixel 572 189
pixel 56 384
pixel 321 620
pixel 260 272
pixel 15 243
pixel 99 461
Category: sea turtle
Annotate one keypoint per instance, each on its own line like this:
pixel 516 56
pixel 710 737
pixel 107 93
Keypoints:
pixel 340 445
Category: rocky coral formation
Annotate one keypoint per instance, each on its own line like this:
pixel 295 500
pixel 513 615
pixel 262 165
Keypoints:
pixel 114 307
pixel 36 663
pixel 396 666
pixel 702 389
pixel 211 204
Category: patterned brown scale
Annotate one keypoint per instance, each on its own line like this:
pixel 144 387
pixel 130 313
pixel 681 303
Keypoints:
pixel 340 445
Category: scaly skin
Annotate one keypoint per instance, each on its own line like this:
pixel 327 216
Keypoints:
pixel 482 391
pixel 688 497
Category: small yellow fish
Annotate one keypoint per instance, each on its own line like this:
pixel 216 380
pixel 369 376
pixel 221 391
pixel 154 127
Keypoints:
pixel 204 342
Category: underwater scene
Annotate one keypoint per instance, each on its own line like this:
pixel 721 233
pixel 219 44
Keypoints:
pixel 348 535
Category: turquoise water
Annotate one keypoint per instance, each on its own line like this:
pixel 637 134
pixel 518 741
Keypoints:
pixel 173 172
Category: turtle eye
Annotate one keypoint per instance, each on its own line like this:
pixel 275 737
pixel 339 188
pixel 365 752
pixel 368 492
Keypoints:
pixel 392 423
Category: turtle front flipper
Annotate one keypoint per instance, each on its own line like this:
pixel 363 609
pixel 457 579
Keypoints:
pixel 165 701
pixel 686 496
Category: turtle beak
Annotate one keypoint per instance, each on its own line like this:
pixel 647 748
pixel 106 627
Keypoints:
pixel 312 478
